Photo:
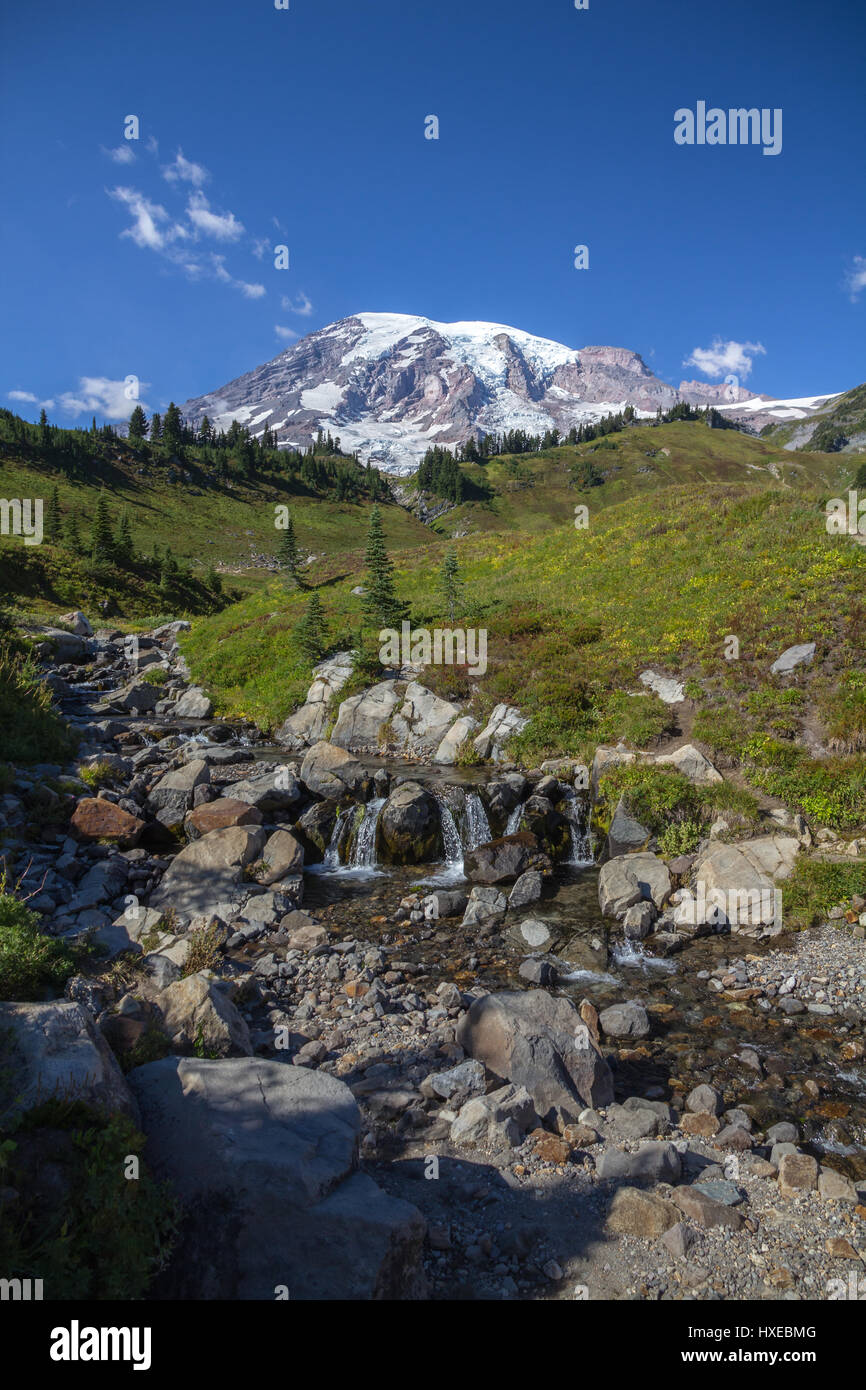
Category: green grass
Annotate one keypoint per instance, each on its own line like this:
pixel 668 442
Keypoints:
pixel 32 965
pixel 817 885
pixel 32 729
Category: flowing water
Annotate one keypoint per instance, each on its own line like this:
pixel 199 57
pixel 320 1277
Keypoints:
pixel 478 830
pixel 513 823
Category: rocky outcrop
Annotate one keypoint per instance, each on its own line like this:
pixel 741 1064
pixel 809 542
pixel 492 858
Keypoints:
pixel 309 723
pixel 197 1013
pixel 209 871
pixel 423 720
pixel 263 1157
pixel 501 860
pixel 362 718
pixel 504 722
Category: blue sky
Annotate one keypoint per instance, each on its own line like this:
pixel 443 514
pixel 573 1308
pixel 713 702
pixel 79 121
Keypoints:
pixel 305 127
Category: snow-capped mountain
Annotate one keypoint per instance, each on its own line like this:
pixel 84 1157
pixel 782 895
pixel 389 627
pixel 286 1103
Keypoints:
pixel 390 385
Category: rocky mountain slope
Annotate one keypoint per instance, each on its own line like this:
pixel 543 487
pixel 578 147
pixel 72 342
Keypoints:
pixel 390 385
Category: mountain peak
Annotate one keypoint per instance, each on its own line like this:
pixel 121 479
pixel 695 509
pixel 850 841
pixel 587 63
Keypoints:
pixel 391 385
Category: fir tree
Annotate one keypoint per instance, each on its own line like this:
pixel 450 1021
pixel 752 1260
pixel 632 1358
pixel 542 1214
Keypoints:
pixel 381 603
pixel 451 584
pixel 73 536
pixel 124 549
pixel 289 559
pixel 137 424
pixel 102 543
pixel 155 427
pixel 311 631
pixel 54 527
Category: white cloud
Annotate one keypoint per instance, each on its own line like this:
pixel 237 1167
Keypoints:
pixel 722 358
pixel 260 246
pixel 287 334
pixel 122 154
pixel 856 278
pixel 304 306
pixel 149 227
pixel 100 395
pixel 28 398
pixel 223 227
pixel 246 289
pixel 185 171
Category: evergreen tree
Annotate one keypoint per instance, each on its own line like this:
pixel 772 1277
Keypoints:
pixel 289 559
pixel 137 424
pixel 102 543
pixel 451 584
pixel 311 631
pixel 54 527
pixel 172 426
pixel 155 427
pixel 124 548
pixel 381 603
pixel 44 430
pixel 73 536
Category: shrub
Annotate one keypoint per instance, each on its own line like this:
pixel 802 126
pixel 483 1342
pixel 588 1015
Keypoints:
pixel 97 775
pixel 31 964
pixel 817 885
pixel 204 949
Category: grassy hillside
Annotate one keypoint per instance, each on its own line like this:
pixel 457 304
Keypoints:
pixel 209 521
pixel 529 491
pixel 574 616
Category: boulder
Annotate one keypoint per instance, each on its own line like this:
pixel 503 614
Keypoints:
pixel 196 1013
pixel 308 724
pixel 634 1212
pixel 140 697
pixel 625 833
pixel 734 884
pixel 618 888
pixel 283 856
pixel 484 905
pixel 627 1020
pixel 692 763
pixel 500 860
pixel 362 717
pixel 209 871
pixel 222 814
pixel 77 623
pixel 802 655
pixel 495 1121
pixel 174 791
pixel 263 1158
pixel 526 890
pixel 504 722
pixel 653 1162
pixel 423 719
pixel 193 704
pixel 409 827
pixel 532 1039
pixel 452 741
pixel 97 819
pixel 704 1210
pixel 330 771
pixel 798 1174
pixel 275 790
pixel 55 1049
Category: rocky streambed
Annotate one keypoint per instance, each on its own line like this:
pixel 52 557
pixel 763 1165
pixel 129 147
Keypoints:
pixel 459 1058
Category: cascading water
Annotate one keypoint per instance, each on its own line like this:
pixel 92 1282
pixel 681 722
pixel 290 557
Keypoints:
pixel 364 849
pixel 575 811
pixel 450 837
pixel 477 827
pixel 332 853
pixel 513 823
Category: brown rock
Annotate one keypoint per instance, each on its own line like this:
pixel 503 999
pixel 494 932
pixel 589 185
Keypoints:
pixel 96 819
pixel 798 1173
pixel 580 1136
pixel 226 811
pixel 704 1125
pixel 634 1212
pixel 840 1248
pixel 549 1147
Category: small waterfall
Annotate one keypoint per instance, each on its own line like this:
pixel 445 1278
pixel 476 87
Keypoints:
pixel 513 823
pixel 450 837
pixel 332 853
pixel 575 811
pixel 364 849
pixel 477 827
